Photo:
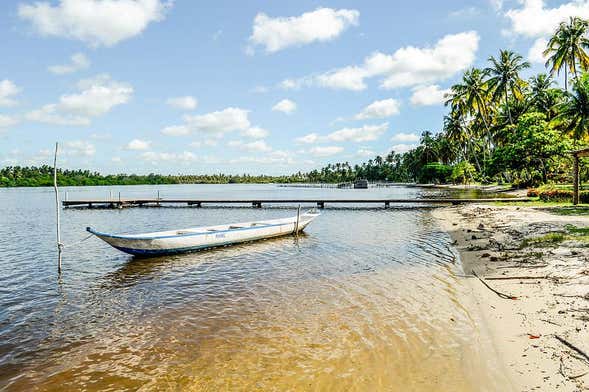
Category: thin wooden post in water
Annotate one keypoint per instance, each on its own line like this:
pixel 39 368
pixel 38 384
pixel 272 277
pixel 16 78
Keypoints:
pixel 59 244
pixel 298 218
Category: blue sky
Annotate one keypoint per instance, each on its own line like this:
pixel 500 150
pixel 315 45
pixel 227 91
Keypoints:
pixel 259 86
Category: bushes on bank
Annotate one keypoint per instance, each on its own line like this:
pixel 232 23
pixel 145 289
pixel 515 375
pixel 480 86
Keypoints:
pixel 435 172
pixel 554 194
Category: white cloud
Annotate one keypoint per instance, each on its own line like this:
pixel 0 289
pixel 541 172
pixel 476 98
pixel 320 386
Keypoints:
pixel 97 96
pixel 98 23
pixel 226 120
pixel 185 103
pixel 405 137
pixel 206 142
pixel 276 157
pixel 50 114
pixel 347 78
pixel 138 145
pixel 79 148
pixel 408 66
pixel 176 130
pixel 216 124
pixel 365 152
pixel 323 24
pixel 428 95
pixel 7 121
pixel 7 90
pixel 466 12
pixel 256 146
pixel 308 139
pixel 285 106
pixel 155 157
pixel 365 133
pixel 534 20
pixel 78 62
pixel 535 54
pixel 255 133
pixel 401 148
pixel 325 151
pixel 116 159
pixel 379 109
pixel 290 84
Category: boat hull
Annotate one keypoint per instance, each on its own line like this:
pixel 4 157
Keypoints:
pixel 196 239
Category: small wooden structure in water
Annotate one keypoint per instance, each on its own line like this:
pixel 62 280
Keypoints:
pixel 361 184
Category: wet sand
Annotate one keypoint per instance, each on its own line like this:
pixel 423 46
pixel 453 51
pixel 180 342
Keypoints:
pixel 550 283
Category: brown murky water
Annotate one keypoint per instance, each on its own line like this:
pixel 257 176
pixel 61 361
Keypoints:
pixel 368 299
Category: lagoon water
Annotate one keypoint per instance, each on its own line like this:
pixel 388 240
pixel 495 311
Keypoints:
pixel 367 299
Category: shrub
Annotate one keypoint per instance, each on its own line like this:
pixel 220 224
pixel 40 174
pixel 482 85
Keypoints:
pixel 533 192
pixel 463 172
pixel 435 172
pixel 562 195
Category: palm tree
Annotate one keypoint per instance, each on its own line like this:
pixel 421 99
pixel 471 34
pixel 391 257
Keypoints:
pixel 574 112
pixel 471 98
pixel 543 97
pixel 504 77
pixel 567 47
pixel 430 150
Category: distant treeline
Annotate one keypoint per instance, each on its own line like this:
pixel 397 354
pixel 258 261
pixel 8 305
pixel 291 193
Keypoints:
pixel 15 176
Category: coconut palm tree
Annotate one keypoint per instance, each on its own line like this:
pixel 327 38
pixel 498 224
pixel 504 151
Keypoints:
pixel 471 98
pixel 567 47
pixel 504 77
pixel 574 112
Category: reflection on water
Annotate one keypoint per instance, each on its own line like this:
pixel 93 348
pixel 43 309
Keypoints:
pixel 366 300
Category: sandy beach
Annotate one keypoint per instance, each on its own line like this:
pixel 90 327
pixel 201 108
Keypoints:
pixel 533 291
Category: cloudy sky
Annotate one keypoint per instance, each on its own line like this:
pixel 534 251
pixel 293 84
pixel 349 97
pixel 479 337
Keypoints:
pixel 234 86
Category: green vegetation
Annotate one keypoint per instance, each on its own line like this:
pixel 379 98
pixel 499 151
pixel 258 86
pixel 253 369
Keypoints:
pixel 569 210
pixel 573 232
pixel 545 240
pixel 13 176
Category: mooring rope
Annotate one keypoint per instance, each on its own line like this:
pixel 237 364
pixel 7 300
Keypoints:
pixel 76 243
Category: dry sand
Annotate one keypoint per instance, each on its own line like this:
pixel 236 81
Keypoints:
pixel 550 283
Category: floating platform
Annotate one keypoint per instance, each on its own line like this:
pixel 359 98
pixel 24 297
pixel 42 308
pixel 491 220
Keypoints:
pixel 258 203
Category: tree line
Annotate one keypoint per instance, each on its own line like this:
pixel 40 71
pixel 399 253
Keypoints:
pixel 17 176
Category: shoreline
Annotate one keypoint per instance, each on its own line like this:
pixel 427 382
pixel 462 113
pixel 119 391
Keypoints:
pixel 549 280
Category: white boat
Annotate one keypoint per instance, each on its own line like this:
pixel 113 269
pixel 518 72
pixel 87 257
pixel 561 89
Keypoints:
pixel 197 238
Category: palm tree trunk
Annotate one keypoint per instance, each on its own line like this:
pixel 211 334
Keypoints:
pixel 507 106
pixel 566 88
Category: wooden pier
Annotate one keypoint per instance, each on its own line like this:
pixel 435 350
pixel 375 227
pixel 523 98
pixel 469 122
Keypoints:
pixel 257 203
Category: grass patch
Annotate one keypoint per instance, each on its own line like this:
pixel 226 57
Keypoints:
pixel 579 231
pixel 536 202
pixel 553 207
pixel 545 240
pixel 570 210
pixel 573 232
